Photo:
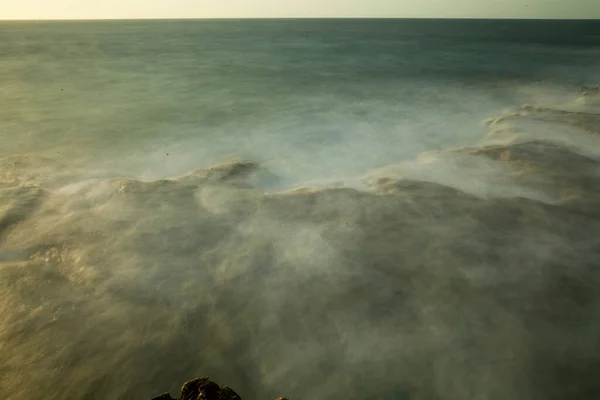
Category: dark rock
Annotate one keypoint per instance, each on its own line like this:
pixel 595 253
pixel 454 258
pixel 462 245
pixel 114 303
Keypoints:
pixel 164 396
pixel 204 389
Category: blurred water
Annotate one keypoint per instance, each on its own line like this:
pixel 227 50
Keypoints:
pixel 313 99
pixel 398 223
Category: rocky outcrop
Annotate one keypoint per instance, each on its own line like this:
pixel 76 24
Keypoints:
pixel 204 389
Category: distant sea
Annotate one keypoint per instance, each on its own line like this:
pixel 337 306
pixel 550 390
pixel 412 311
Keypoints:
pixel 335 209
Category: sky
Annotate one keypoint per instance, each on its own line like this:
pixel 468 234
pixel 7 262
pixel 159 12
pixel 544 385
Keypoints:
pixel 116 9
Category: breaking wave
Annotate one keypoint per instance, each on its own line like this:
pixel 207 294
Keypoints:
pixel 465 273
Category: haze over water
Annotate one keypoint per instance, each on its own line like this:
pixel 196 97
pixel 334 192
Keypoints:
pixel 411 211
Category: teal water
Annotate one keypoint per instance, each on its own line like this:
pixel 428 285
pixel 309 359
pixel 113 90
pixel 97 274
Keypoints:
pixel 341 209
pixel 315 100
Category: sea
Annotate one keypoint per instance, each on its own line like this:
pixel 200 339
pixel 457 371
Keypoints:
pixel 402 209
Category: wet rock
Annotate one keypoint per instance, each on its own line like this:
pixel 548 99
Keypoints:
pixel 204 389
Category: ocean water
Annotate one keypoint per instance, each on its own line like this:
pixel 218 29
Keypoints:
pixel 343 209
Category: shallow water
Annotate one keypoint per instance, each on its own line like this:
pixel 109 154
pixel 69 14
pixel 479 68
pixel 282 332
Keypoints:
pixel 411 210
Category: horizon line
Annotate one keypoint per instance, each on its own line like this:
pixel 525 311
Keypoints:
pixel 290 18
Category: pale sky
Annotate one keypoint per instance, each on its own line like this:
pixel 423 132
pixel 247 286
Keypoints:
pixel 109 9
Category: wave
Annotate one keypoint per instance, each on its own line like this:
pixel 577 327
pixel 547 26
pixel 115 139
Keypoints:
pixel 466 273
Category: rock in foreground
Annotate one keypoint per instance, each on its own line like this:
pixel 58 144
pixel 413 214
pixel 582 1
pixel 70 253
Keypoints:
pixel 203 389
